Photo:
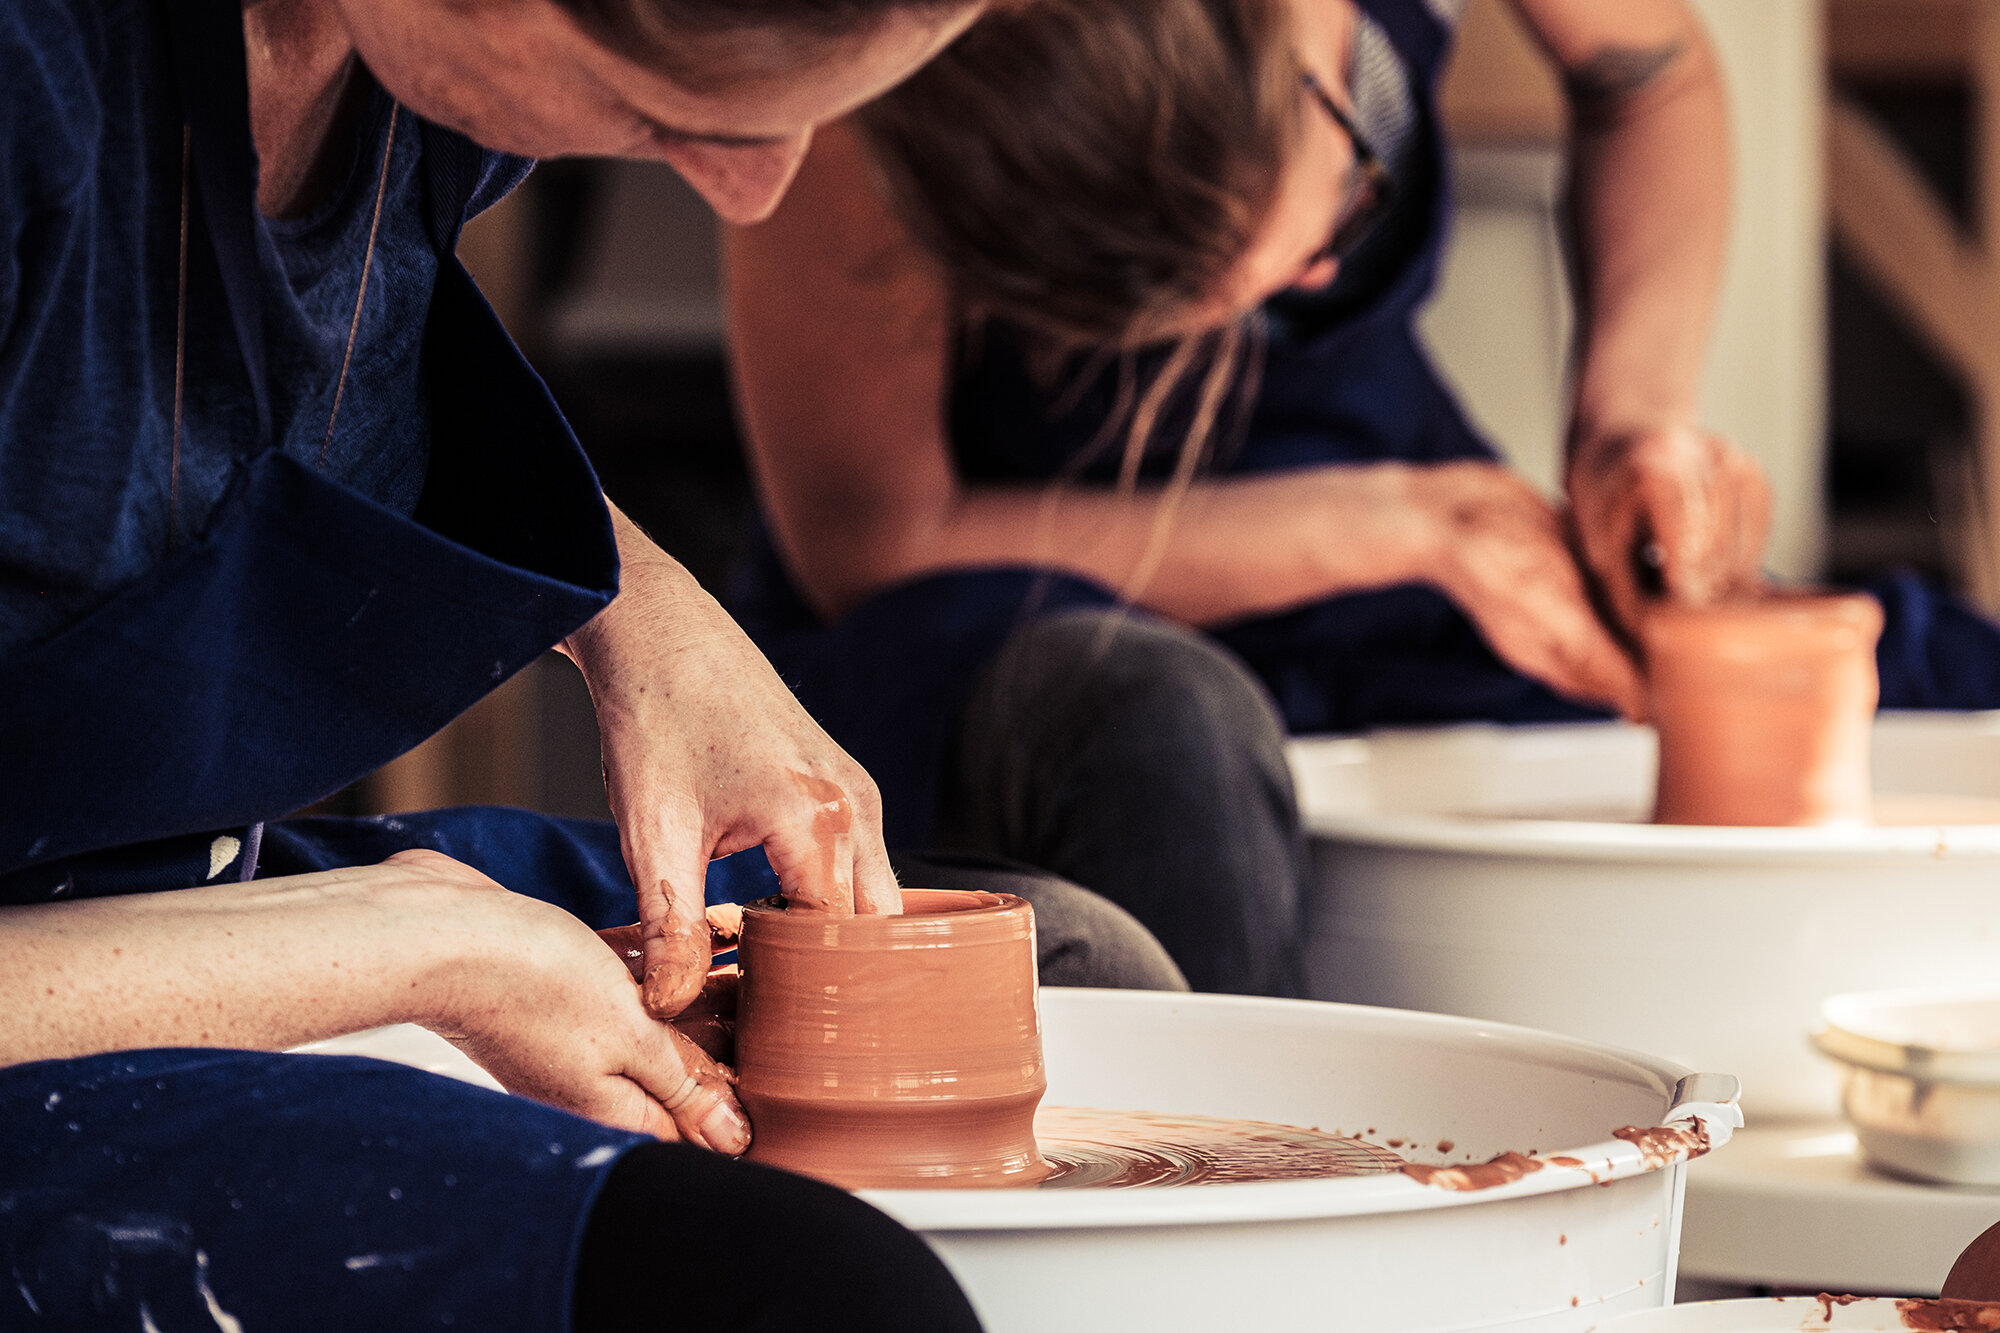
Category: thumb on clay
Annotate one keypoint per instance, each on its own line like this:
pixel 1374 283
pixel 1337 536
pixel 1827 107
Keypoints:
pixel 676 955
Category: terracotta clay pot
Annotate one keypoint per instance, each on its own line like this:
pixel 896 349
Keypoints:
pixel 1764 707
pixel 893 1051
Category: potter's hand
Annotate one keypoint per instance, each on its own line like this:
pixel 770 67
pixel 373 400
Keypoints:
pixel 552 1014
pixel 706 753
pixel 1674 512
pixel 1497 549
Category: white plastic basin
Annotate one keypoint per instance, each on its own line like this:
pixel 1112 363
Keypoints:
pixel 1551 1251
pixel 1554 1252
pixel 1504 873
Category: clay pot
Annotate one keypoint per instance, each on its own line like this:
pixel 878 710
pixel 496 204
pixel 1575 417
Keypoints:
pixel 1764 707
pixel 893 1052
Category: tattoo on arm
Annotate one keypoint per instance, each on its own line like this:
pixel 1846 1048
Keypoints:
pixel 1616 74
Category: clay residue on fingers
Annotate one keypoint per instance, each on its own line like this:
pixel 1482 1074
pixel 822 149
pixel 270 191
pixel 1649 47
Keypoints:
pixel 725 926
pixel 1505 1169
pixel 709 1021
pixel 833 845
pixel 669 986
pixel 710 1116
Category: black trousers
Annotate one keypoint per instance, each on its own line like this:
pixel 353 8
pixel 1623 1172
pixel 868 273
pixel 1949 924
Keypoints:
pixel 682 1239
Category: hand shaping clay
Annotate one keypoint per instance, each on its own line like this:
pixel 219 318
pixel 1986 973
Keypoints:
pixel 893 1051
pixel 1764 708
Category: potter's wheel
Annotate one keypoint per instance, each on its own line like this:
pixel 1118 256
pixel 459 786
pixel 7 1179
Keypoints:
pixel 1551 1252
pixel 1449 879
pixel 1101 1149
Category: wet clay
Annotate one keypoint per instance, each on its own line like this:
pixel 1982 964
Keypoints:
pixel 1950 1316
pixel 893 1052
pixel 1505 1169
pixel 1975 1276
pixel 1763 707
pixel 1092 1149
pixel 1663 1145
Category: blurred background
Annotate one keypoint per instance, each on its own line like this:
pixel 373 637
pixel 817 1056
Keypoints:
pixel 1857 352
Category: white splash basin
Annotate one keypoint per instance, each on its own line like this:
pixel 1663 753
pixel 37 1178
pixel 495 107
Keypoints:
pixel 1506 873
pixel 1555 1251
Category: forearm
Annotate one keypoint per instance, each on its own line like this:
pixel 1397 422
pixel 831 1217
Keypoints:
pixel 1650 175
pixel 660 608
pixel 1223 549
pixel 260 966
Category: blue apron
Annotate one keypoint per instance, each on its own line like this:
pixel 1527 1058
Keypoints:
pixel 308 636
pixel 1348 384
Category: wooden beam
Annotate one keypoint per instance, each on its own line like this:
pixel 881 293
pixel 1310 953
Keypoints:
pixel 1898 39
pixel 1892 224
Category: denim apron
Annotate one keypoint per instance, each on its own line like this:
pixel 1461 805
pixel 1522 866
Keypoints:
pixel 308 636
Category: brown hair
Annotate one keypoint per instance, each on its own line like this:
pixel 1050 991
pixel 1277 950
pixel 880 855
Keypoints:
pixel 1088 168
pixel 710 44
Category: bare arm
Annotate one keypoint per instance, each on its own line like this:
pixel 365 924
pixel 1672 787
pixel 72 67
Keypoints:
pixel 1650 175
pixel 526 989
pixel 840 330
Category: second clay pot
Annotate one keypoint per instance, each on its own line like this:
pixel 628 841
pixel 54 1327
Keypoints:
pixel 893 1052
pixel 1764 708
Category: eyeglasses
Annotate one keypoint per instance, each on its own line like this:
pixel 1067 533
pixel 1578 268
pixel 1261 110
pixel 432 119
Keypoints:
pixel 1370 187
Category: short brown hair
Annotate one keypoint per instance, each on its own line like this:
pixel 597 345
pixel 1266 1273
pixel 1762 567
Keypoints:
pixel 1084 168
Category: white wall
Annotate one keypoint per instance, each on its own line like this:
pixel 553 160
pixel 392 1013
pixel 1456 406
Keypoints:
pixel 1500 326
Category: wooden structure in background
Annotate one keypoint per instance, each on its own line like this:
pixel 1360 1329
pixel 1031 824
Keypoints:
pixel 1945 281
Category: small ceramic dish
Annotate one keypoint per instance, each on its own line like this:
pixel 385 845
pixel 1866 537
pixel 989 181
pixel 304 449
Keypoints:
pixel 1920 1079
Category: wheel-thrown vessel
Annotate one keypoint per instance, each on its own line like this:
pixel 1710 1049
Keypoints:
pixel 1763 708
pixel 893 1051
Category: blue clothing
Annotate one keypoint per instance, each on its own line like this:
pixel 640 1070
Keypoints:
pixel 200 635
pixel 313 611
pixel 91 496
pixel 180 1189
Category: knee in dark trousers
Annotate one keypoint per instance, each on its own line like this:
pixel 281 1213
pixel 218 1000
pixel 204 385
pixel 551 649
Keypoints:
pixel 682 1238
pixel 1143 761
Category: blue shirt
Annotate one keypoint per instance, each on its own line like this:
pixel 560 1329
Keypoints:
pixel 91 494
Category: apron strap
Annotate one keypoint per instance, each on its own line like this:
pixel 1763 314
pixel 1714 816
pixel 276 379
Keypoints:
pixel 1416 30
pixel 207 41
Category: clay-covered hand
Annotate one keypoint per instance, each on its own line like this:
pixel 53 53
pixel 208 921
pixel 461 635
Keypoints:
pixel 1498 550
pixel 544 1007
pixel 1675 513
pixel 707 753
pixel 709 1021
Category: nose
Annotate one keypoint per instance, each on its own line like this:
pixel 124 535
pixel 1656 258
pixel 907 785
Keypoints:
pixel 1318 275
pixel 742 182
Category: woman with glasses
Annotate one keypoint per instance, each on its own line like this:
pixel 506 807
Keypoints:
pixel 1098 452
